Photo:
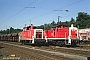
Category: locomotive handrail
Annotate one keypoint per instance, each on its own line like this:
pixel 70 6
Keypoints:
pixel 33 37
pixel 69 39
pixel 46 38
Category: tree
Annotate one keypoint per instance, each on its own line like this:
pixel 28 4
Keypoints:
pixel 83 20
pixel 53 23
pixel 11 30
pixel 67 23
pixel 72 22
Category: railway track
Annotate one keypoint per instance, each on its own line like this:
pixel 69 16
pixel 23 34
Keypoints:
pixel 69 51
pixel 53 51
pixel 79 47
pixel 26 53
pixel 82 51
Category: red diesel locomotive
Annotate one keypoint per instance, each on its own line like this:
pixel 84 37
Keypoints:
pixel 58 35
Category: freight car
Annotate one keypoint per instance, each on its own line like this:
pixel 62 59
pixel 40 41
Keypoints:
pixel 58 35
pixel 3 37
pixel 84 35
pixel 10 37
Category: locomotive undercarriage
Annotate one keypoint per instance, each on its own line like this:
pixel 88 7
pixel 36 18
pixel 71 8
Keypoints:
pixel 63 42
pixel 36 42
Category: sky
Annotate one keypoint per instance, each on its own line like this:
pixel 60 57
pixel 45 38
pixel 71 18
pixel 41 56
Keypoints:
pixel 18 13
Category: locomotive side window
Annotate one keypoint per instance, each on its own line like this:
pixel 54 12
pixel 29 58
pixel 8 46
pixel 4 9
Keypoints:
pixel 39 35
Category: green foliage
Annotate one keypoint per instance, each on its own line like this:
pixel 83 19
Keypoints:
pixel 47 26
pixel 83 20
pixel 11 30
pixel 72 22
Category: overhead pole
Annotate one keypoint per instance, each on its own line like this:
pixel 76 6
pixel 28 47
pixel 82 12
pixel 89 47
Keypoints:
pixel 60 16
pixel 44 26
pixel 30 22
pixel 58 19
pixel 30 7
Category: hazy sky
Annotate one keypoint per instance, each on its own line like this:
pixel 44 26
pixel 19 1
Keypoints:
pixel 17 13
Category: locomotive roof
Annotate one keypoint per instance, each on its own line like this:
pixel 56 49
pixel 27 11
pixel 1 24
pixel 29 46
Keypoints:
pixel 34 27
pixel 30 26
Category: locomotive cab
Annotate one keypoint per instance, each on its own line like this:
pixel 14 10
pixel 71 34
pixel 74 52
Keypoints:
pixel 62 35
pixel 32 35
